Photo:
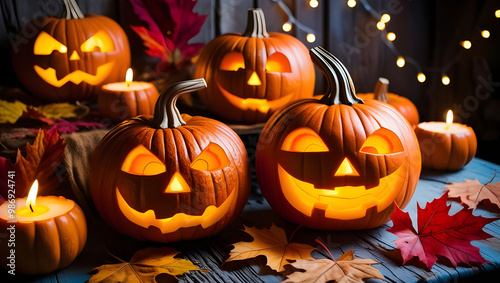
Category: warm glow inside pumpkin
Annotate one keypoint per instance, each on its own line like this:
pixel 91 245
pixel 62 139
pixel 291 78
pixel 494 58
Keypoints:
pixel 169 177
pixel 45 44
pixel 341 194
pixel 252 75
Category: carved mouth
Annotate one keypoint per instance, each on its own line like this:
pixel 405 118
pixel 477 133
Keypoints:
pixel 346 202
pixel 210 216
pixel 49 75
pixel 255 104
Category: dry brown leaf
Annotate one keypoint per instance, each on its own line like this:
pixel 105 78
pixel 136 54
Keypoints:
pixel 271 243
pixel 472 192
pixel 144 266
pixel 345 269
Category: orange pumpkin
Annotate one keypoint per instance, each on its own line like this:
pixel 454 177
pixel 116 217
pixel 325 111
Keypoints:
pixel 338 162
pixel 170 177
pixel 401 103
pixel 251 75
pixel 70 59
pixel 47 244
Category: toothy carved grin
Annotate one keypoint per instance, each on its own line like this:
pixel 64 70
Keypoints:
pixel 210 216
pixel 346 202
pixel 256 104
pixel 49 75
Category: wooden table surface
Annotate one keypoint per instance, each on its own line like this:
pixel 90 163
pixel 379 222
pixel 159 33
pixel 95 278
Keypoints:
pixel 375 243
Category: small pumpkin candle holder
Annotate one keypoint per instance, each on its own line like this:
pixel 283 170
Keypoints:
pixel 251 75
pixel 45 233
pixel 123 100
pixel 170 176
pixel 401 103
pixel 338 162
pixel 446 146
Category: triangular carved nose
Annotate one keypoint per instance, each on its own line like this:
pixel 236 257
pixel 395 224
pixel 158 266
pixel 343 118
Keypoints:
pixel 254 79
pixel 177 185
pixel 74 56
pixel 346 169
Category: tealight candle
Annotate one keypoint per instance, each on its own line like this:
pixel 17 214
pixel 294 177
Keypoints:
pixel 122 100
pixel 446 146
pixel 44 233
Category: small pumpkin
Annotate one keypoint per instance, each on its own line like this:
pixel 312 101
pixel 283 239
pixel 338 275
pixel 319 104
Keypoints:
pixel 251 75
pixel 71 58
pixel 401 103
pixel 170 177
pixel 338 162
pixel 45 245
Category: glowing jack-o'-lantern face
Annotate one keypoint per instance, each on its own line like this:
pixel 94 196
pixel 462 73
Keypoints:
pixel 45 44
pixel 170 177
pixel 150 196
pixel 339 186
pixel 337 163
pixel 250 76
pixel 70 59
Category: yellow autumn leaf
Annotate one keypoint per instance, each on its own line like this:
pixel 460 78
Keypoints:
pixel 10 112
pixel 63 111
pixel 144 266
pixel 273 244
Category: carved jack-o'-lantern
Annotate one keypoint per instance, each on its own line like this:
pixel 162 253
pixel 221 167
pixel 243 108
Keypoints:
pixel 168 178
pixel 250 76
pixel 70 59
pixel 337 163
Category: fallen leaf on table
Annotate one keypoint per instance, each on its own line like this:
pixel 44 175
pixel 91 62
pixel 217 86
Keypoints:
pixel 271 243
pixel 345 269
pixel 68 127
pixel 472 192
pixel 63 110
pixel 439 233
pixel 10 112
pixel 41 162
pixel 144 266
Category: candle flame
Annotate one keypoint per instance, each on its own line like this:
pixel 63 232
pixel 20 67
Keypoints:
pixel 30 202
pixel 449 118
pixel 129 77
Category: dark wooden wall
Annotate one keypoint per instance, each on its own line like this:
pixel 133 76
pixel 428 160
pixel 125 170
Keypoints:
pixel 427 31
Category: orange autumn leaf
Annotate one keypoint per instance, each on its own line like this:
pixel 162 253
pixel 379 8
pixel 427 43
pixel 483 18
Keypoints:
pixel 144 266
pixel 472 192
pixel 271 243
pixel 345 269
pixel 41 162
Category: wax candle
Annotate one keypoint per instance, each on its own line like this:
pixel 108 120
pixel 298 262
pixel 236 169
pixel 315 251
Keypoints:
pixel 446 146
pixel 44 233
pixel 123 100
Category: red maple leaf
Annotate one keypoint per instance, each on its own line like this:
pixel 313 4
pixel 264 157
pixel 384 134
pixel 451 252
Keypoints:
pixel 41 162
pixel 439 234
pixel 171 24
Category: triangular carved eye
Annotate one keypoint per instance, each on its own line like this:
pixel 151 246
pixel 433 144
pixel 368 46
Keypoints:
pixel 45 44
pixel 99 42
pixel 140 161
pixel 278 62
pixel 232 61
pixel 211 159
pixel 382 141
pixel 304 140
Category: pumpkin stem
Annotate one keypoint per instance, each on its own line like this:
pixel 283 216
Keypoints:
pixel 340 86
pixel 256 24
pixel 380 92
pixel 72 10
pixel 166 113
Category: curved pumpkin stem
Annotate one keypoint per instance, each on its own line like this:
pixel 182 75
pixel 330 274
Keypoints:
pixel 166 113
pixel 340 87
pixel 72 10
pixel 381 88
pixel 256 24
